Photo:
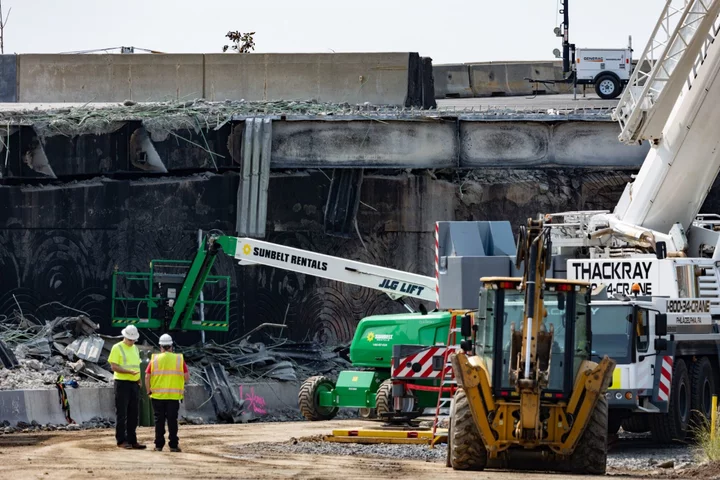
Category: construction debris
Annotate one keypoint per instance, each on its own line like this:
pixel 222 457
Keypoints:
pixel 283 360
pixel 35 355
pixel 162 118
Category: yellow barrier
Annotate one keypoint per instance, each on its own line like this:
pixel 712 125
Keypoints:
pixel 713 417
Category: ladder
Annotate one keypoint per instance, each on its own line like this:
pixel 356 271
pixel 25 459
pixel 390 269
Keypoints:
pixel 448 385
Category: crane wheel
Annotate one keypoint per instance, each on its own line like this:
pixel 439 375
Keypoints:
pixel 701 393
pixel 467 451
pixel 638 423
pixel 309 399
pixel 384 399
pixel 673 426
pixel 590 455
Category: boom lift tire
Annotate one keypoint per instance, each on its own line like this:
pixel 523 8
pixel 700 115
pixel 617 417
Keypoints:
pixel 673 426
pixel 637 423
pixel 590 455
pixel 309 399
pixel 367 413
pixel 701 392
pixel 467 451
pixel 384 399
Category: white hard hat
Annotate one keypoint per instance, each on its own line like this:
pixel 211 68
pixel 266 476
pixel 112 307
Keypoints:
pixel 165 339
pixel 130 332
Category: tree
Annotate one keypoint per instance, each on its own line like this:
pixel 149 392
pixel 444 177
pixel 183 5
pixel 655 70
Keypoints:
pixel 3 22
pixel 248 43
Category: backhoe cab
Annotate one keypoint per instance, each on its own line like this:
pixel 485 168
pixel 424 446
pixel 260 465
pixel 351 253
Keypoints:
pixel 527 387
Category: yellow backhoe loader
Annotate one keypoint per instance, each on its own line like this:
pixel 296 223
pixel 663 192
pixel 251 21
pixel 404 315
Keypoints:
pixel 528 396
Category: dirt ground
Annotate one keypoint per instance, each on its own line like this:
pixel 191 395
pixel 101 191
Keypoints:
pixel 210 452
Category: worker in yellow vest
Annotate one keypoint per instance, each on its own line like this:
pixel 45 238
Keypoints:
pixel 165 379
pixel 125 362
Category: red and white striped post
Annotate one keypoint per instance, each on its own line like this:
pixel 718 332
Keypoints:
pixel 437 265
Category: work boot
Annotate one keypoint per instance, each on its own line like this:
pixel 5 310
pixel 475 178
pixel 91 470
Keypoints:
pixel 135 446
pixel 122 445
pixel 175 449
pixel 158 449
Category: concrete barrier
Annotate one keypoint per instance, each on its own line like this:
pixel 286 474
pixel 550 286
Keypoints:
pixel 8 78
pixel 352 78
pixel 109 78
pixel 486 79
pixel 452 81
pixel 509 78
pixel 43 406
pixel 403 79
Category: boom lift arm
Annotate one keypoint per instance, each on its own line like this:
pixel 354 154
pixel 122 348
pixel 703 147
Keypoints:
pixel 178 307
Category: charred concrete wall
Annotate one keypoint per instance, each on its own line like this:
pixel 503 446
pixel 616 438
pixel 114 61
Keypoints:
pixel 59 244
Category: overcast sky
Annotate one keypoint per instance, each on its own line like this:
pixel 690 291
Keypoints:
pixel 448 31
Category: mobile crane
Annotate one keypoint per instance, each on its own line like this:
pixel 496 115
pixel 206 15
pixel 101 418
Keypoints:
pixel 654 243
pixel 526 381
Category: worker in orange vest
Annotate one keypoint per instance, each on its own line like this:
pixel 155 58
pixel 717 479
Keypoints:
pixel 165 379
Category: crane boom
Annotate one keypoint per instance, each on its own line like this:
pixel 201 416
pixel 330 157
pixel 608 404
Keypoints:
pixel 684 161
pixel 673 107
pixel 676 48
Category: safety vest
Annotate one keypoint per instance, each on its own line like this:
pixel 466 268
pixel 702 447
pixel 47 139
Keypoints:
pixel 129 359
pixel 167 381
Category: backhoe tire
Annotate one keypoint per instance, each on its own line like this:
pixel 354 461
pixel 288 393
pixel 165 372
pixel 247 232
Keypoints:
pixel 467 451
pixel 384 399
pixel 702 389
pixel 673 426
pixel 309 399
pixel 590 455
pixel 448 458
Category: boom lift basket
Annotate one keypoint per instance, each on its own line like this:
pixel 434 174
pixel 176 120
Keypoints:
pixel 145 299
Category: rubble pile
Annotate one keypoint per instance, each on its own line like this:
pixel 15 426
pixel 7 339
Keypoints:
pixel 282 360
pixel 65 350
pixel 70 350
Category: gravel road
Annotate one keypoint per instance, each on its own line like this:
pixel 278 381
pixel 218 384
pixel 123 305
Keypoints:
pixel 281 450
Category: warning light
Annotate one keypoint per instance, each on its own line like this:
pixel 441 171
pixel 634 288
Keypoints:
pixel 564 287
pixel 635 288
pixel 507 285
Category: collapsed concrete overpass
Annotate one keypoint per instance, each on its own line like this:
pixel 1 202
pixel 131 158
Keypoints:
pixel 84 189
